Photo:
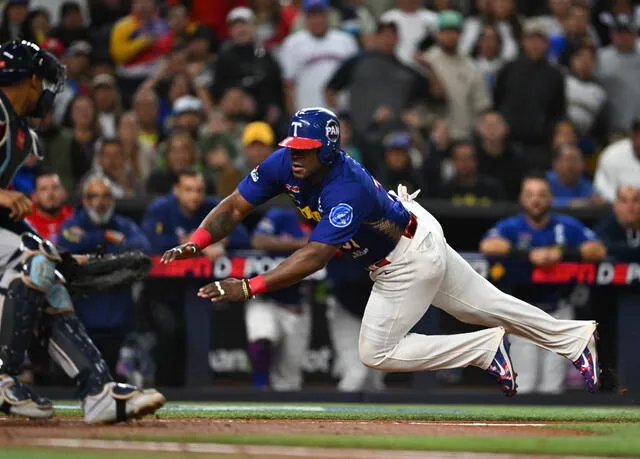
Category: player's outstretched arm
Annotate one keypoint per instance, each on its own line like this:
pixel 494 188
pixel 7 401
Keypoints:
pixel 215 227
pixel 303 262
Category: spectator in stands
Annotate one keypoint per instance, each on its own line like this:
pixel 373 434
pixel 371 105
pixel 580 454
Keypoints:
pixel 71 152
pixel 586 97
pixel 49 208
pixel 137 45
pixel 236 109
pixel 465 91
pixel 569 186
pixel 181 154
pixel 140 156
pixel 278 324
pixel 496 157
pixel 347 137
pixel 503 16
pixel 619 73
pixel 76 59
pixel 111 162
pixel 530 94
pixel 395 89
pixel 37 26
pixel 182 27
pixel 619 164
pixel 244 63
pixel 543 238
pixel 399 162
pixel 108 315
pixel 415 25
pixel 309 57
pixel 574 33
pixel 219 169
pixel 146 106
pixel 468 187
pixel 105 13
pixel 107 101
pixel 620 231
pixel 257 139
pixel 188 115
pixel 488 54
pixel 273 21
pixel 13 19
pixel 170 220
pixel 564 131
pixel 71 27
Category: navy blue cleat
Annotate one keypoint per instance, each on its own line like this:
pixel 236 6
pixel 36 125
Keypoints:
pixel 501 369
pixel 587 364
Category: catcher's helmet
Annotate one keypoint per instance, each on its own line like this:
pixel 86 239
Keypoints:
pixel 315 128
pixel 20 59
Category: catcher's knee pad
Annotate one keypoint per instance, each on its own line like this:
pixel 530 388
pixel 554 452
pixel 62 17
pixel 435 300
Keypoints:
pixel 20 306
pixel 72 349
pixel 39 267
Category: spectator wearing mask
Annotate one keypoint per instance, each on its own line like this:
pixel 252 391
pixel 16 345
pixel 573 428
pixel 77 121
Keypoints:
pixel 112 163
pixel 415 25
pixel 620 231
pixel 619 164
pixel 496 157
pixel 170 220
pixel 586 98
pixel 14 17
pixel 310 57
pixel 107 102
pixel 181 155
pixel 72 25
pixel 619 72
pixel 543 238
pixel 568 185
pixel 465 91
pixel 468 187
pixel 377 82
pixel 500 14
pixel 49 208
pixel 107 315
pixel 71 152
pixel 530 94
pixel 400 158
pixel 245 63
pixel 488 55
pixel 137 45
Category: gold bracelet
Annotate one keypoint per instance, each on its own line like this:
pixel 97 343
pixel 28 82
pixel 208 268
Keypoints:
pixel 245 289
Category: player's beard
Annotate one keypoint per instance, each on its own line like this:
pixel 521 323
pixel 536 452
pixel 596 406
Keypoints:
pixel 101 219
pixel 538 217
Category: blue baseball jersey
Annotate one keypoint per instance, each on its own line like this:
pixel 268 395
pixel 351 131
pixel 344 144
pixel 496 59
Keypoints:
pixel 280 222
pixel 562 230
pixel 349 208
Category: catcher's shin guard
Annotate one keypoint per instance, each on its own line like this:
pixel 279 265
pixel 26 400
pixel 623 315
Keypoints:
pixel 72 349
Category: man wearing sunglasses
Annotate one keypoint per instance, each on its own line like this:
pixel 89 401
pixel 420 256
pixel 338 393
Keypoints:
pixel 33 296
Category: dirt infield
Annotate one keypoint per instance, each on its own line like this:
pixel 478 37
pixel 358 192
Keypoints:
pixel 16 431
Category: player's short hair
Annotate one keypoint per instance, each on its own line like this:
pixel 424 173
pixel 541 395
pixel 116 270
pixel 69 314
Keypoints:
pixel 189 172
pixel 461 143
pixel 536 175
pixel 44 173
pixel 108 141
pixel 384 24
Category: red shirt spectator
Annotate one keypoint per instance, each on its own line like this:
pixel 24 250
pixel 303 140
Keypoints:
pixel 49 212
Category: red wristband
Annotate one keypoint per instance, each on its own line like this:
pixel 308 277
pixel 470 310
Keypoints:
pixel 257 285
pixel 201 237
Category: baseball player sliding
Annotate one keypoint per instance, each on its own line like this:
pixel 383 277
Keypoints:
pixel 403 247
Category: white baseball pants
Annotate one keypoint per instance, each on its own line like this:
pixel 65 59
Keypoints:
pixel 290 334
pixel 425 270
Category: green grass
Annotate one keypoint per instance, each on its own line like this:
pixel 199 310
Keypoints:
pixel 614 431
pixel 23 453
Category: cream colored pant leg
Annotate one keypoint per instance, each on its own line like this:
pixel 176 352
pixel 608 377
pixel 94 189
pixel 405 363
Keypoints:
pixel 401 294
pixel 286 369
pixel 344 328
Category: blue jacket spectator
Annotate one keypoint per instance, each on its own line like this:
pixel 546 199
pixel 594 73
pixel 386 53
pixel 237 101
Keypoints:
pixel 170 220
pixel 620 231
pixel 108 316
pixel 568 185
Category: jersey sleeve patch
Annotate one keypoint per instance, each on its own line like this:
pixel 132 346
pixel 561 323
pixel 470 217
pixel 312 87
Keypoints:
pixel 341 215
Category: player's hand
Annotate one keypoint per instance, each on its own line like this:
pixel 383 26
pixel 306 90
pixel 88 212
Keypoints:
pixel 226 290
pixel 181 252
pixel 539 256
pixel 18 204
pixel 554 255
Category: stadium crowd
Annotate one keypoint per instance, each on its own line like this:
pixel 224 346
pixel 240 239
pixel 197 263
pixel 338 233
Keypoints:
pixel 175 100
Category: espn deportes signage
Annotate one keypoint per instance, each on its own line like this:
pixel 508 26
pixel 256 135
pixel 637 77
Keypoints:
pixel 508 271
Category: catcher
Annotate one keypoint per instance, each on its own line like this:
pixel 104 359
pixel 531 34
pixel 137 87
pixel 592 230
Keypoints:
pixel 36 311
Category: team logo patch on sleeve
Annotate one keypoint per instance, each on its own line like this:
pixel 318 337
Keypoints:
pixel 341 215
pixel 254 174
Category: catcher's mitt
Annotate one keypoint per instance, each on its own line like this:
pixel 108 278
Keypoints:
pixel 110 270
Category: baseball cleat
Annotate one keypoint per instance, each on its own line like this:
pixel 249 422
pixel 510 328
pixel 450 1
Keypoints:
pixel 18 399
pixel 587 364
pixel 121 402
pixel 501 369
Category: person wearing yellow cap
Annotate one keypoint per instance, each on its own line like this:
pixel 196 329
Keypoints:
pixel 257 141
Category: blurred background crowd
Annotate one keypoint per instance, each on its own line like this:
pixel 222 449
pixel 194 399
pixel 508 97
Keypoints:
pixel 175 100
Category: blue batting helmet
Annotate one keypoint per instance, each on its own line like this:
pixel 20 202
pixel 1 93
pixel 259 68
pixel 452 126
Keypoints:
pixel 315 128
